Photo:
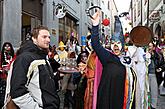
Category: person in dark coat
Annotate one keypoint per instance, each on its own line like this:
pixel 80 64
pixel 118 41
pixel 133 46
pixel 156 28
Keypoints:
pixel 54 64
pixel 81 82
pixel 111 89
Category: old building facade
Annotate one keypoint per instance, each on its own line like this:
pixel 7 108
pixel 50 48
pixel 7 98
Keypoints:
pixel 18 17
pixel 149 13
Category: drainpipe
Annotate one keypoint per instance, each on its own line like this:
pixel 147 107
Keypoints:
pixel 141 13
pixel 131 8
pixel 1 21
pixel 148 13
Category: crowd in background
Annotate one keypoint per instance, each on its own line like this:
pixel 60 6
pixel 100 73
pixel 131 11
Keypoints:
pixel 78 87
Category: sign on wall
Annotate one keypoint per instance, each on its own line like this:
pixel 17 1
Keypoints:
pixel 155 16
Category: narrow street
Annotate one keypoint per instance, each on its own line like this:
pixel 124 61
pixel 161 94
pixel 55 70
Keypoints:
pixel 82 54
pixel 161 101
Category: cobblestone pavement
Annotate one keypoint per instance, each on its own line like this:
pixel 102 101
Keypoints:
pixel 61 95
pixel 161 102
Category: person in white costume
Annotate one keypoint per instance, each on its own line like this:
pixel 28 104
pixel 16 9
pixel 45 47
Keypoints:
pixel 139 65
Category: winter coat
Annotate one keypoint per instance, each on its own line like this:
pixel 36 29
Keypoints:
pixel 32 80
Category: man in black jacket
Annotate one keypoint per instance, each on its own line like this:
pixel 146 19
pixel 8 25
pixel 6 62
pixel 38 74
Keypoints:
pixel 32 80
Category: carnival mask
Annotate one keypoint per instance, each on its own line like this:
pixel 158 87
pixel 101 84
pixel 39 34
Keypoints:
pixel 7 47
pixel 116 47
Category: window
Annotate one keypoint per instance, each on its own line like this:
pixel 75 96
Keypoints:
pixel 139 7
pixel 67 25
pixel 108 5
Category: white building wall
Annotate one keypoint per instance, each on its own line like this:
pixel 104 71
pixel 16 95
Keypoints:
pixel 107 14
pixel 144 12
pixel 138 7
pixel 12 18
pixel 84 19
pixel 113 12
pixel 11 27
pixel 153 5
pixel 156 7
pixel 52 22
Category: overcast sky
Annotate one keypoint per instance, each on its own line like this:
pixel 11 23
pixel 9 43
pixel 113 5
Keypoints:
pixel 122 5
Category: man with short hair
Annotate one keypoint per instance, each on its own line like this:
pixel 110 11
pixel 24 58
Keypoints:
pixel 32 81
pixel 152 75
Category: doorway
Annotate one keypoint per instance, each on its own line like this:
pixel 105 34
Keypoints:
pixel 31 16
pixel 26 26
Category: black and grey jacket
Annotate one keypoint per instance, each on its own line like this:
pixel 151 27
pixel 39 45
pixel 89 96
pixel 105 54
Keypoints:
pixel 32 84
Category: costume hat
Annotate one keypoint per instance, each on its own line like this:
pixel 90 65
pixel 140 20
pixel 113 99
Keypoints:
pixel 61 44
pixel 141 35
pixel 118 31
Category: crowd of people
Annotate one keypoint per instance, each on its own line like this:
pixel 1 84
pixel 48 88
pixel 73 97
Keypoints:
pixel 119 76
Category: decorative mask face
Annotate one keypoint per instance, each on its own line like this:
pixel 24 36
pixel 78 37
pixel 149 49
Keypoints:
pixel 84 57
pixel 7 47
pixel 116 47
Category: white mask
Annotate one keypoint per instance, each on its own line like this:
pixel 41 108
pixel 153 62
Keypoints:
pixel 116 43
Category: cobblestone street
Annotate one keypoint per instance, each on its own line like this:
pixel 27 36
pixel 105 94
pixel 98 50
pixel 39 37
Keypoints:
pixel 82 54
pixel 161 102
